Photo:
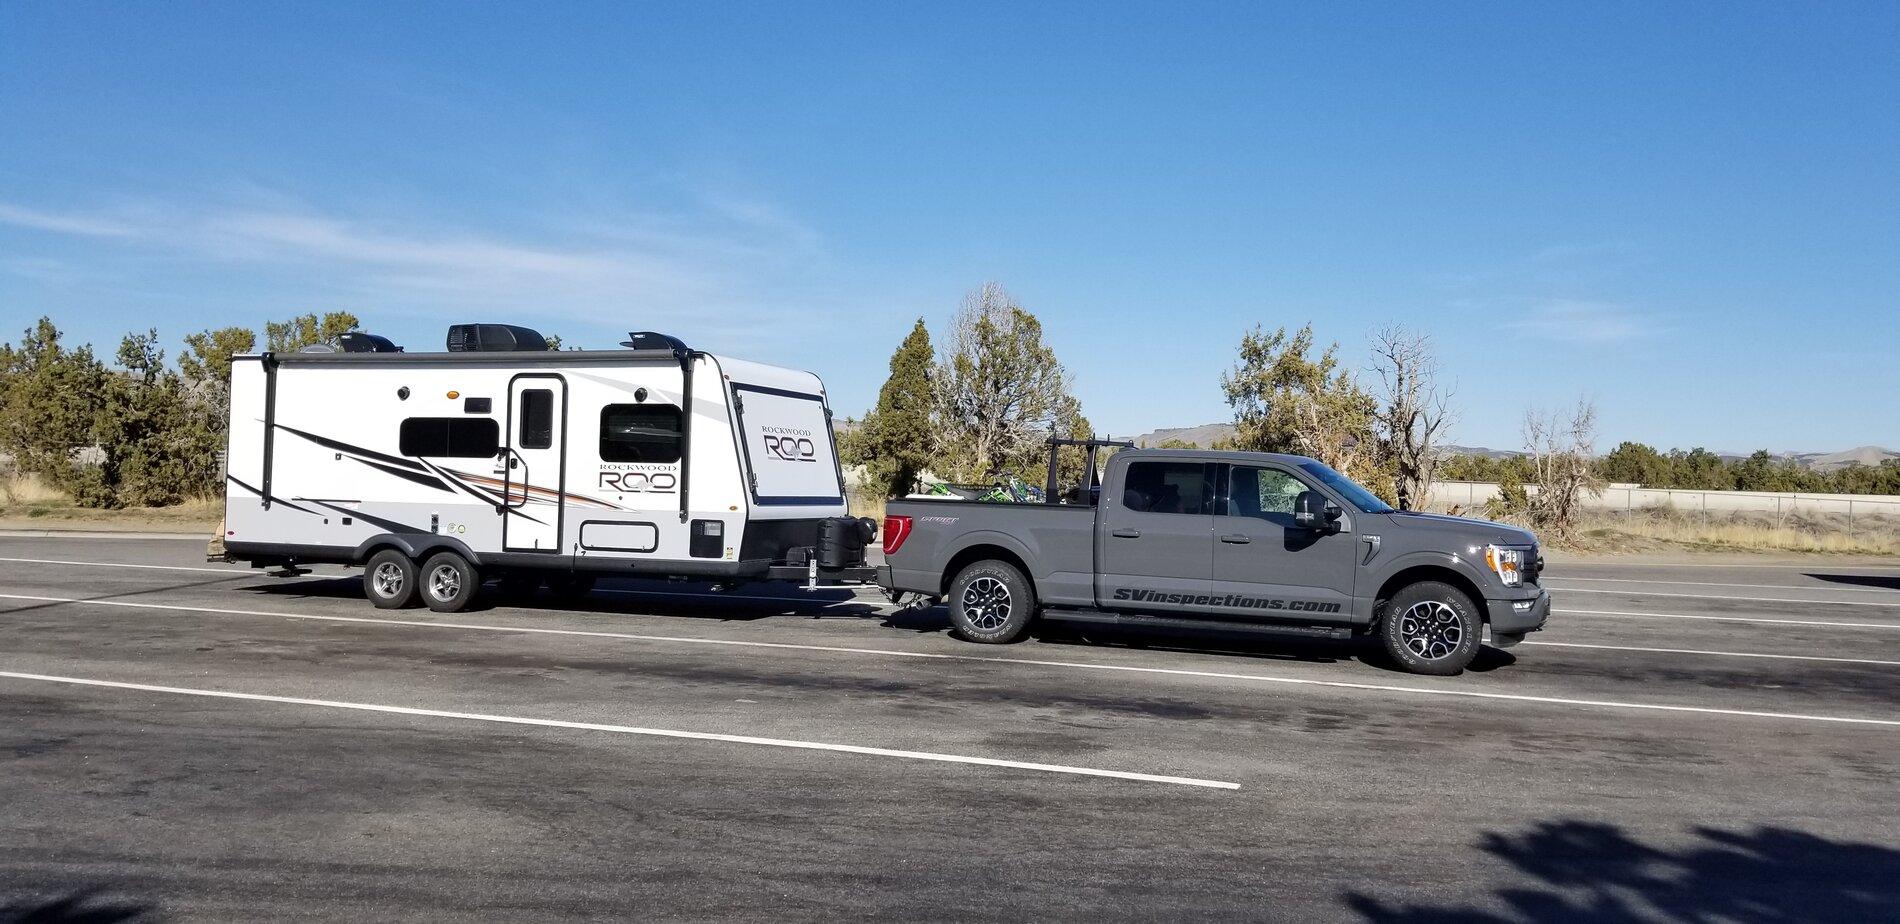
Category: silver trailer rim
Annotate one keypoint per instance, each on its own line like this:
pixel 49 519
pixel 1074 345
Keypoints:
pixel 387 579
pixel 445 582
pixel 1431 629
pixel 986 604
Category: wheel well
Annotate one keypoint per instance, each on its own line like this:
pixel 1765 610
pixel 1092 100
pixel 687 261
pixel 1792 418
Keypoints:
pixel 977 553
pixel 367 552
pixel 1443 575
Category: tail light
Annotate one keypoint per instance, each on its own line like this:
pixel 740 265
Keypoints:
pixel 896 530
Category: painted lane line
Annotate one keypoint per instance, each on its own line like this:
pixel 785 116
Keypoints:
pixel 118 564
pixel 636 730
pixel 1796 587
pixel 1659 593
pixel 624 593
pixel 1033 662
pixel 1722 564
pixel 1760 619
pixel 1704 651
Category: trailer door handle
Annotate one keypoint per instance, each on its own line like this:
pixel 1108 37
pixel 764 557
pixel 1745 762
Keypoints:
pixel 1236 539
pixel 1126 534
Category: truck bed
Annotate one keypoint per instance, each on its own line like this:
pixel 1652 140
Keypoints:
pixel 1054 544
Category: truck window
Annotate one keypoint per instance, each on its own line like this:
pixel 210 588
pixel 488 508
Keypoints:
pixel 640 433
pixel 1263 493
pixel 1167 487
pixel 450 437
pixel 537 419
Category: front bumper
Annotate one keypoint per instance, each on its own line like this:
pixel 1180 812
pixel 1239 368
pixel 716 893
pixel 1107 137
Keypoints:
pixel 1514 617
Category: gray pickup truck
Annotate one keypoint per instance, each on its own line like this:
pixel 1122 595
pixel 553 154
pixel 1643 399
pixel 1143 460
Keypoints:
pixel 1238 540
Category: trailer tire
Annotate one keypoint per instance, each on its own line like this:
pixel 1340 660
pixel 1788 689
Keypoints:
pixel 449 583
pixel 1431 628
pixel 991 602
pixel 389 580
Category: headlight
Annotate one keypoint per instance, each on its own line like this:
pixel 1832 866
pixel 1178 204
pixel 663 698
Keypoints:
pixel 1507 564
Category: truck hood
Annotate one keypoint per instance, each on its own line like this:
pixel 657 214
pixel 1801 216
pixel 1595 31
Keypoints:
pixel 1463 529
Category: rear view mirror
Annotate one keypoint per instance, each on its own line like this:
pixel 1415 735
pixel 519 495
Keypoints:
pixel 1311 510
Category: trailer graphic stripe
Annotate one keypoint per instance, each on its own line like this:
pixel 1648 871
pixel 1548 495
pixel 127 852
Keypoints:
pixel 341 446
pixel 275 500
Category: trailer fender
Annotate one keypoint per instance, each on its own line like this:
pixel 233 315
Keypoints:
pixel 417 546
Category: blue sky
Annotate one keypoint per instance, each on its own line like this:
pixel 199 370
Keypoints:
pixel 1688 212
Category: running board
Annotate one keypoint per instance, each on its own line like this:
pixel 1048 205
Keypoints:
pixel 1132 620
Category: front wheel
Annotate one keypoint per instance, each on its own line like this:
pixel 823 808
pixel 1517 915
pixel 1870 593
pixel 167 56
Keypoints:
pixel 991 602
pixel 1431 628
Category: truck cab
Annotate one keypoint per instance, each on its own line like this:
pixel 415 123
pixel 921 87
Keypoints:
pixel 1252 541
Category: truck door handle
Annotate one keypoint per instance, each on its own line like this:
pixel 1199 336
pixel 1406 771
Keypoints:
pixel 1236 539
pixel 1126 534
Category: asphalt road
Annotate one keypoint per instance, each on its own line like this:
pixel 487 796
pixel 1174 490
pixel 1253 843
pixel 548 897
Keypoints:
pixel 1684 742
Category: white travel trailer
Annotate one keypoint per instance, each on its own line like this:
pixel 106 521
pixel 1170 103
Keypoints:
pixel 502 459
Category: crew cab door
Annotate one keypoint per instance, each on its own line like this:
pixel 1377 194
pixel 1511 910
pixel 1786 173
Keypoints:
pixel 1153 535
pixel 533 464
pixel 1267 566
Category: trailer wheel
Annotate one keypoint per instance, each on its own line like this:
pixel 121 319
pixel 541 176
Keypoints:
pixel 449 582
pixel 1431 628
pixel 389 580
pixel 991 602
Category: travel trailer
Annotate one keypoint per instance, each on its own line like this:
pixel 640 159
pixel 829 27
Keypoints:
pixel 502 459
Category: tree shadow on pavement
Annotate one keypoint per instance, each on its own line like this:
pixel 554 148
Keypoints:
pixel 1885 581
pixel 81 907
pixel 1590 871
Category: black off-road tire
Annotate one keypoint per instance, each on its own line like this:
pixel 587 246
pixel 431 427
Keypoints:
pixel 448 582
pixel 1431 628
pixel 389 580
pixel 991 602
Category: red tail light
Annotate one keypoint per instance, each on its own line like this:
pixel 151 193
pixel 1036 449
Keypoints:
pixel 896 530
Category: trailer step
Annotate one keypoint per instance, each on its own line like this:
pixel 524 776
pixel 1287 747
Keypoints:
pixel 1135 620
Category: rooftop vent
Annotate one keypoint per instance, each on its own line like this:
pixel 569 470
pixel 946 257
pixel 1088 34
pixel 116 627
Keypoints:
pixel 359 342
pixel 494 338
pixel 648 340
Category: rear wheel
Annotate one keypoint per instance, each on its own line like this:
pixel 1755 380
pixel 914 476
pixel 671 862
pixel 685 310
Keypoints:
pixel 449 582
pixel 991 602
pixel 1431 628
pixel 389 580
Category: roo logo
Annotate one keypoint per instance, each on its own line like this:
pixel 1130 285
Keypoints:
pixel 791 448
pixel 639 482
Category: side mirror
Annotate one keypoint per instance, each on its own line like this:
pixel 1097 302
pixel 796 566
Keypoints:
pixel 1311 510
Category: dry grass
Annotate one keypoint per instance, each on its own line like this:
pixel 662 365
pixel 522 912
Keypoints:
pixel 28 503
pixel 1867 535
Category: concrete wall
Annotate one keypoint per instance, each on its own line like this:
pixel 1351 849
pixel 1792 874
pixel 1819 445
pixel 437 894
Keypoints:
pixel 1471 494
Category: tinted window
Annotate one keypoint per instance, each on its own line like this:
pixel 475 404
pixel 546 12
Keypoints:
pixel 537 419
pixel 1265 493
pixel 640 433
pixel 450 437
pixel 1167 487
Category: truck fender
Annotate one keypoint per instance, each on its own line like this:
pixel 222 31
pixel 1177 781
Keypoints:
pixel 417 546
pixel 1473 572
pixel 1004 541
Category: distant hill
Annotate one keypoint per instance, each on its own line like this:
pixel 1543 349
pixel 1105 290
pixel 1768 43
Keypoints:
pixel 1203 436
pixel 1831 461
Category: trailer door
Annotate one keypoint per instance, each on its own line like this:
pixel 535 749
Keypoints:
pixel 535 463
pixel 788 447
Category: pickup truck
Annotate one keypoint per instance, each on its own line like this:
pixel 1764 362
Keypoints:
pixel 1253 541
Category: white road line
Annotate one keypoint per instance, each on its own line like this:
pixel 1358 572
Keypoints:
pixel 1703 651
pixel 1845 590
pixel 1836 566
pixel 1033 662
pixel 1762 619
pixel 624 593
pixel 1659 593
pixel 120 564
pixel 635 730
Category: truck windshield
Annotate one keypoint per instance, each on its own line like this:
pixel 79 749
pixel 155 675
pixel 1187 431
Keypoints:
pixel 1346 487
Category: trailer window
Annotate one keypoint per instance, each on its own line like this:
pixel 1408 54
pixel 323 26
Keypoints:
pixel 639 433
pixel 450 437
pixel 537 419
pixel 1168 487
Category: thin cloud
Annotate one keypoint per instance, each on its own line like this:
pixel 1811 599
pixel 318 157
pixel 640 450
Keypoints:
pixel 1570 321
pixel 83 225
